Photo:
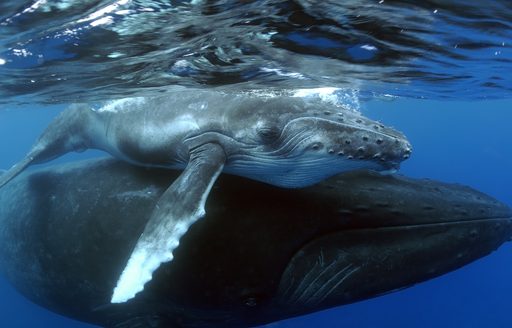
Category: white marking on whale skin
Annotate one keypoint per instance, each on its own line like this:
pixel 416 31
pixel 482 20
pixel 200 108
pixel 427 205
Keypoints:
pixel 146 193
pixel 151 132
pixel 388 172
pixel 120 105
pixel 199 106
pixel 182 124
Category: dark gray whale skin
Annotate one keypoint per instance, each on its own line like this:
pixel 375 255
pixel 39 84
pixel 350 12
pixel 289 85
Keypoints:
pixel 261 254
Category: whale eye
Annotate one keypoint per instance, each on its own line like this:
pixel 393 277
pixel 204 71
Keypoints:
pixel 268 133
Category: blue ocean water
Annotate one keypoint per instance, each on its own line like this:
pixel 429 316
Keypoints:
pixel 449 65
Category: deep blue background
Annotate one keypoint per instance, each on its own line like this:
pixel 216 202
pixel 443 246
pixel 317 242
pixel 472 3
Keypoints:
pixel 462 142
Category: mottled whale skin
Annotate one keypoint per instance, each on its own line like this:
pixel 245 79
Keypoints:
pixel 285 141
pixel 66 232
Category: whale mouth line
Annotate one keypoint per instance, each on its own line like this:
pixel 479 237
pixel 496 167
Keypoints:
pixel 377 227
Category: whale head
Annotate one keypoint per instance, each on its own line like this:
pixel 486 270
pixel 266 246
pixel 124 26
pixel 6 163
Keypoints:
pixel 292 143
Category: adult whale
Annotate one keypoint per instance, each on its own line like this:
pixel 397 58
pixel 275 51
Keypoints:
pixel 284 141
pixel 66 232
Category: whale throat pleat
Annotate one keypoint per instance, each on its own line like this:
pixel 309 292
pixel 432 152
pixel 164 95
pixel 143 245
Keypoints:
pixel 180 206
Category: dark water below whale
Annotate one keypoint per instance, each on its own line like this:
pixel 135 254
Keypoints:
pixel 440 71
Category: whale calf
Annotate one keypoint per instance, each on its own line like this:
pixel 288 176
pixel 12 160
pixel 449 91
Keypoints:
pixel 284 141
pixel 66 231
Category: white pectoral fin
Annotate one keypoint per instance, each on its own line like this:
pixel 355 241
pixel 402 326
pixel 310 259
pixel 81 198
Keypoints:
pixel 180 206
pixel 8 175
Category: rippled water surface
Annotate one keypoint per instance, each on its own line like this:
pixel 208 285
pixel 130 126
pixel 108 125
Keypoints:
pixel 69 50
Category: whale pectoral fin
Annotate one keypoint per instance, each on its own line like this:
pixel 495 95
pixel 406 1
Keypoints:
pixel 181 205
pixel 6 176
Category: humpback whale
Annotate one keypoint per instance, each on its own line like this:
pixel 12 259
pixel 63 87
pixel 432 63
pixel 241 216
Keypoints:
pixel 66 231
pixel 284 141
